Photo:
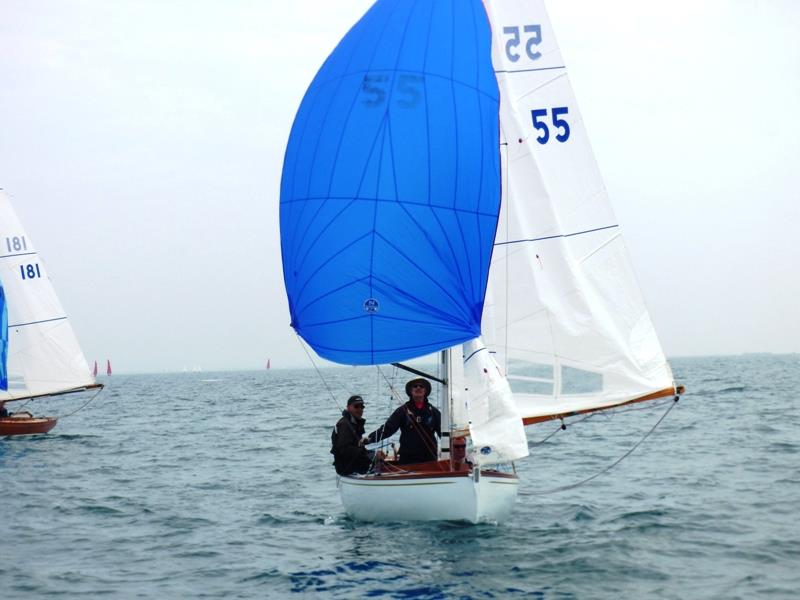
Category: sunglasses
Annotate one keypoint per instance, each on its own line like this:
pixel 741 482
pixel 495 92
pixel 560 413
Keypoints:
pixel 460 446
pixel 357 405
pixel 418 385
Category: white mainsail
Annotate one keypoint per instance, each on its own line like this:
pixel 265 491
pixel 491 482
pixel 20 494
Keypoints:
pixel 564 314
pixel 43 354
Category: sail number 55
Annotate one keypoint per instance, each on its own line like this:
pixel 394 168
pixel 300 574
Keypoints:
pixel 539 114
pixel 533 37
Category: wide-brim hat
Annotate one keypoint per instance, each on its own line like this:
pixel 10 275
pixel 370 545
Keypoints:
pixel 424 382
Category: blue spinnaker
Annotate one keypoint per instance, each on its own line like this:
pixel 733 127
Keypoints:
pixel 3 340
pixel 391 185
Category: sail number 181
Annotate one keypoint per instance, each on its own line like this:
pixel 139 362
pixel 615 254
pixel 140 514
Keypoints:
pixel 30 271
pixel 16 243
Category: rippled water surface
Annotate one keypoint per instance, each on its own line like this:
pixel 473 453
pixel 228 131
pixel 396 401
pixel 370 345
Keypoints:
pixel 205 485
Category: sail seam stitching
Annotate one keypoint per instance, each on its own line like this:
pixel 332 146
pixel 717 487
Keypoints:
pixel 553 237
pixel 37 322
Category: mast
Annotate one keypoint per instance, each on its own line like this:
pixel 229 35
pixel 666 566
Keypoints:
pixel 447 405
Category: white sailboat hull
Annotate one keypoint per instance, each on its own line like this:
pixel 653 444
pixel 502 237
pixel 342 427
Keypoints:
pixel 487 497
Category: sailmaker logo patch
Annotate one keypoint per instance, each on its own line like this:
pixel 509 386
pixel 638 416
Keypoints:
pixel 371 305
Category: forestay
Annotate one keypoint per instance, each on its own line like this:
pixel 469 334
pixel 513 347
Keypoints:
pixel 43 356
pixel 391 186
pixel 564 312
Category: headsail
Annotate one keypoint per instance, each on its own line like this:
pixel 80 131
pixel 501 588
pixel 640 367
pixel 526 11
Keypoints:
pixel 43 354
pixel 484 405
pixel 390 187
pixel 564 311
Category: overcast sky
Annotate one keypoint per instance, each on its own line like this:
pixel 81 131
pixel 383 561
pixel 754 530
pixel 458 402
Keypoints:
pixel 142 141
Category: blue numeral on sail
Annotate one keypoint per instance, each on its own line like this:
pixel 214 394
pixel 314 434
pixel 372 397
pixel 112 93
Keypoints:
pixel 558 122
pixel 30 271
pixel 533 40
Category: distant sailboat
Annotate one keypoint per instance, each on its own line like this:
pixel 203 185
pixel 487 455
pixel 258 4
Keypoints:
pixel 108 367
pixel 39 354
pixel 268 364
pixel 94 371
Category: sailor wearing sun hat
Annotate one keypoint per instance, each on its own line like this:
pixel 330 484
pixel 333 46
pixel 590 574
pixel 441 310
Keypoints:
pixel 419 423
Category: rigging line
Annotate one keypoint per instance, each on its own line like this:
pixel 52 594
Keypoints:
pixel 384 442
pixel 542 441
pixel 24 404
pixel 84 405
pixel 429 441
pixel 612 465
pixel 395 394
pixel 505 283
pixel 319 374
pixel 612 411
pixel 563 426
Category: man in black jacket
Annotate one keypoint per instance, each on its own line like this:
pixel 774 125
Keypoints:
pixel 419 423
pixel 349 456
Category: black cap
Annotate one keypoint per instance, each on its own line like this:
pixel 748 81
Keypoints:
pixel 354 399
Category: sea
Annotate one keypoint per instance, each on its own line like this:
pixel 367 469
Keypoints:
pixel 220 485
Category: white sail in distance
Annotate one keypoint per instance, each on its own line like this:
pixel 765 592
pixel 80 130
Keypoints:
pixel 564 313
pixel 43 354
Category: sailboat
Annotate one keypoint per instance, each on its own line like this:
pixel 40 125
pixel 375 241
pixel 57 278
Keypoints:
pixel 108 367
pixel 39 354
pixel 439 195
pixel 94 370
